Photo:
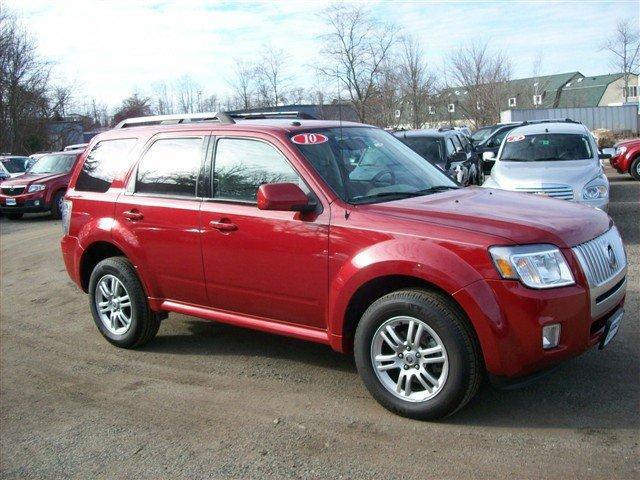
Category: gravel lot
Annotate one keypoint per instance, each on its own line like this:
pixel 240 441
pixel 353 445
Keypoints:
pixel 212 401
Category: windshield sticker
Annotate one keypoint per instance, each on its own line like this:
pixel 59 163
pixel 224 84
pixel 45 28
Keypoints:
pixel 515 138
pixel 545 142
pixel 309 138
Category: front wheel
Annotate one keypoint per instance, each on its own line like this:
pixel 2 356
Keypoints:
pixel 634 170
pixel 417 354
pixel 56 205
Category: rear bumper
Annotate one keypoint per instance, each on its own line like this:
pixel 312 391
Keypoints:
pixel 71 254
pixel 508 318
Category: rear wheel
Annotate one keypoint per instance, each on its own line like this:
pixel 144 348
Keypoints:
pixel 15 216
pixel 56 205
pixel 417 354
pixel 634 170
pixel 119 304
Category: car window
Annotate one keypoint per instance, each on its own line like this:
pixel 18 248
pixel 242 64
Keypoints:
pixel 481 134
pixel 466 145
pixel 451 149
pixel 242 165
pixel 54 163
pixel 546 147
pixel 386 168
pixel 457 144
pixel 106 160
pixel 170 167
pixel 429 148
pixel 496 141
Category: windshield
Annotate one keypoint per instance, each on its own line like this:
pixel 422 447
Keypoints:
pixel 428 148
pixel 481 134
pixel 54 163
pixel 14 165
pixel 546 147
pixel 368 165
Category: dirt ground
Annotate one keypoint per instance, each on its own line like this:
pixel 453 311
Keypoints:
pixel 211 401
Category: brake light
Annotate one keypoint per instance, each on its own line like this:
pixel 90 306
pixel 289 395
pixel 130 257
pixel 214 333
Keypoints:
pixel 66 215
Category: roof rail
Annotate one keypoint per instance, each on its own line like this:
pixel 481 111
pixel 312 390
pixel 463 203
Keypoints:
pixel 550 120
pixel 263 115
pixel 177 118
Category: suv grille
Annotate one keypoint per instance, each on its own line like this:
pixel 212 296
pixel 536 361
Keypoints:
pixel 13 190
pixel 564 192
pixel 602 258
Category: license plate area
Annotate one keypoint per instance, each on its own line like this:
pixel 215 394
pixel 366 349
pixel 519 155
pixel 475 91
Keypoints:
pixel 11 202
pixel 611 328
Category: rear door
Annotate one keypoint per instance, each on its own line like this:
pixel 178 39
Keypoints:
pixel 269 264
pixel 160 212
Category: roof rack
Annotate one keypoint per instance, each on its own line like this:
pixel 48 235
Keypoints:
pixel 178 118
pixel 264 115
pixel 551 120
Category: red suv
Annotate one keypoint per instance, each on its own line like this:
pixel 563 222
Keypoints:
pixel 626 158
pixel 339 234
pixel 39 189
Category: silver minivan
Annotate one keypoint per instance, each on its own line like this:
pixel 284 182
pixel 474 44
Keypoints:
pixel 556 159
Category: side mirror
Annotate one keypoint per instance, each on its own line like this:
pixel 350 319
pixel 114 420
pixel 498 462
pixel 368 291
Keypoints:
pixel 287 197
pixel 604 156
pixel 489 156
pixel 458 157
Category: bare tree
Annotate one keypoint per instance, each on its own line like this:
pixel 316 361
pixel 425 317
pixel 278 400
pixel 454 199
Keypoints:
pixel 163 99
pixel 624 47
pixel 187 92
pixel 415 82
pixel 479 79
pixel 24 89
pixel 271 77
pixel 61 101
pixel 243 84
pixel 133 106
pixel 357 46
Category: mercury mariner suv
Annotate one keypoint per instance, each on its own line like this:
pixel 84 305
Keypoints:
pixel 340 234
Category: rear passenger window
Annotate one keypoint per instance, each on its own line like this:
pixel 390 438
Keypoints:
pixel 170 167
pixel 106 160
pixel 241 166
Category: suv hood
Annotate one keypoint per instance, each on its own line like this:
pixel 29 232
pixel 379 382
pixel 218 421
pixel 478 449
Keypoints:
pixel 29 178
pixel 518 217
pixel 576 173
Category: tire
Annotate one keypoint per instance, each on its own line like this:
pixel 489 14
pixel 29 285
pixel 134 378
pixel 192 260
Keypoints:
pixel 143 322
pixel 634 169
pixel 15 216
pixel 56 205
pixel 461 371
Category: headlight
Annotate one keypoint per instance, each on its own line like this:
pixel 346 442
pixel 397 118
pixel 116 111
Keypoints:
pixel 620 150
pixel 595 189
pixel 36 188
pixel 536 266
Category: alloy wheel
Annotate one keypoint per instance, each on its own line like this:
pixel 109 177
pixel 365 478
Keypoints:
pixel 113 305
pixel 409 359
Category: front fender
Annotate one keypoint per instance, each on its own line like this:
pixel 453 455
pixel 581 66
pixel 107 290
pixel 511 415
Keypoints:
pixel 430 261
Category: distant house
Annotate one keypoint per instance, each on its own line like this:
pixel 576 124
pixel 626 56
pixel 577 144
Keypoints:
pixel 61 133
pixel 598 91
pixel 538 92
pixel 332 111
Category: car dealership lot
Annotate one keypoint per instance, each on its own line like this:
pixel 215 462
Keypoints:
pixel 206 400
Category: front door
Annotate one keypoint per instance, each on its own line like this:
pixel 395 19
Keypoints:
pixel 161 213
pixel 268 264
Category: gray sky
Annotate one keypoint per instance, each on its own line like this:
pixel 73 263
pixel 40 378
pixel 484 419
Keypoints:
pixel 110 49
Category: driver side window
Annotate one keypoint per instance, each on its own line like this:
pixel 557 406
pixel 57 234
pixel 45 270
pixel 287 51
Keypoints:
pixel 451 149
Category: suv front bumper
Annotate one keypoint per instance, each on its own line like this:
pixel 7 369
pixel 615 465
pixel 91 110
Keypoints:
pixel 25 203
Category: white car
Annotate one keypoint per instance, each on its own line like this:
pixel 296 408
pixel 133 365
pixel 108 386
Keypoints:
pixel 556 159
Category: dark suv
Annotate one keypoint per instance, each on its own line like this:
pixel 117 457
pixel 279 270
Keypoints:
pixel 448 149
pixel 340 234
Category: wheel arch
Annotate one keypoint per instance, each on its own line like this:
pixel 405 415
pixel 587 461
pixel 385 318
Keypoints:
pixel 94 254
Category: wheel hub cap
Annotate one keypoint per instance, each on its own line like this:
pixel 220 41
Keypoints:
pixel 113 305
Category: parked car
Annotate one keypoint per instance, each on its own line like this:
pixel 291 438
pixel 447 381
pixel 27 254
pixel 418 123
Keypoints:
pixel 626 158
pixel 14 165
pixel 559 160
pixel 464 129
pixel 491 143
pixel 273 225
pixel 41 188
pixel 447 149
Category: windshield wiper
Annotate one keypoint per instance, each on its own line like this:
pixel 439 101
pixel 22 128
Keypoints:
pixel 417 193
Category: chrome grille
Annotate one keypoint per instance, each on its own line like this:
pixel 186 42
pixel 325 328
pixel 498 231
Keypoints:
pixel 602 258
pixel 17 190
pixel 564 192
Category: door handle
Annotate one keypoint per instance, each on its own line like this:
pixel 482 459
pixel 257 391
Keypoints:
pixel 223 226
pixel 132 215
